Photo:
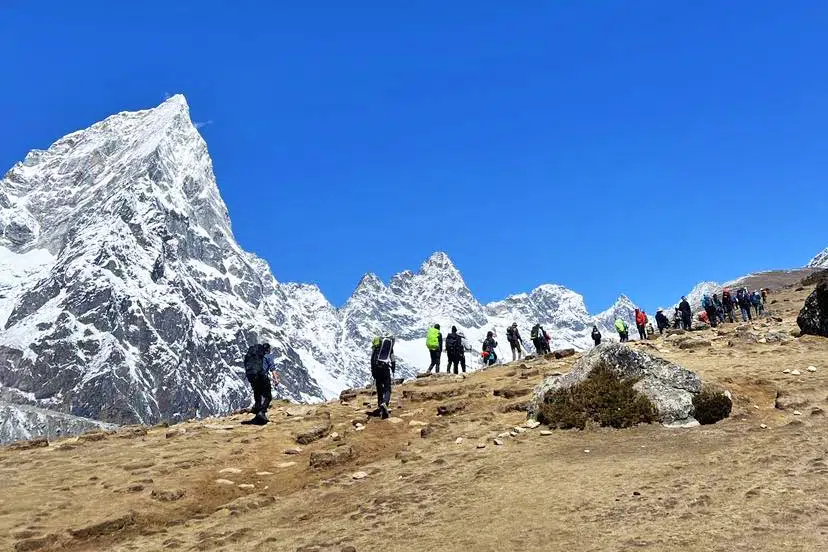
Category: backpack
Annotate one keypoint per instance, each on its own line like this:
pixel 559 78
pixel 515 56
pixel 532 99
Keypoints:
pixel 510 334
pixel 433 339
pixel 705 302
pixel 254 360
pixel 453 344
pixel 535 331
pixel 386 350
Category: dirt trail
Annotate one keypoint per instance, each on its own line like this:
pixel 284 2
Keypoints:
pixel 733 485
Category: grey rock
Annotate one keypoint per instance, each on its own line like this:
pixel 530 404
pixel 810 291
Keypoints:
pixel 813 318
pixel 668 386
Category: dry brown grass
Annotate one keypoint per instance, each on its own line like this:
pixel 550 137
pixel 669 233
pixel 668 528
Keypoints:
pixel 727 486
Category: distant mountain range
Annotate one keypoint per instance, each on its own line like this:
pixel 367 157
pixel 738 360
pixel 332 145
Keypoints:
pixel 125 298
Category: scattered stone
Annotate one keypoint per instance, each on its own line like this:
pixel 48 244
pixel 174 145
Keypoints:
pixel 175 433
pixel 300 410
pixel 359 427
pixel 295 450
pixel 458 440
pixel 812 368
pixel 420 396
pixel 30 444
pixel 481 445
pixel 335 436
pixel 797 413
pixel 763 426
pixel 795 372
pixel 756 406
pixel 394 420
pixel 135 488
pixel 426 431
pixel 498 442
pixel 263 473
pixel 224 482
pixel 406 456
pixel 167 496
pixel 230 470
pixel 531 424
pixel 563 353
pixel 451 408
pixel 504 434
pixel 360 420
pixel 520 429
pixel 513 434
pixel 316 432
pixel 283 465
pixel 359 475
pixel 246 486
pixel 586 450
pixel 786 371
pixel 511 392
pixel 328 458
pixel 817 411
pixel 348 395
pixel 417 423
pixel 546 432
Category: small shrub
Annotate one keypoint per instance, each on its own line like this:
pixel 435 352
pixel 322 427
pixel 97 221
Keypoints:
pixel 602 398
pixel 711 406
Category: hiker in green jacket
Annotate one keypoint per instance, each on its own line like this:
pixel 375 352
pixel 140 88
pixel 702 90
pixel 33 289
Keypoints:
pixel 623 330
pixel 434 342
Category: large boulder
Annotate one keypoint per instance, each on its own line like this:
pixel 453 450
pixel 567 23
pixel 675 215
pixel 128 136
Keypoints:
pixel 669 387
pixel 813 318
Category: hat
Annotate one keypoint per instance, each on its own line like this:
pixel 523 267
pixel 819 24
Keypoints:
pixel 436 326
pixel 454 329
pixel 659 309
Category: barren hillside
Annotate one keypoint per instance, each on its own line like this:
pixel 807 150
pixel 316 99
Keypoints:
pixel 425 482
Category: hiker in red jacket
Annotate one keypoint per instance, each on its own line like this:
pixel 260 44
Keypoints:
pixel 641 323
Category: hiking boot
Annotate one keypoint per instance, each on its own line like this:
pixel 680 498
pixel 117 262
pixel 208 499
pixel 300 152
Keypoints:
pixel 384 412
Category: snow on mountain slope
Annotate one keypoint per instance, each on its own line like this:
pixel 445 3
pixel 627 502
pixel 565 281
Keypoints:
pixel 820 261
pixel 124 296
pixel 19 422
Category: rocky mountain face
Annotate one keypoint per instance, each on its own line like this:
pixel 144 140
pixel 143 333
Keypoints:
pixel 125 298
pixel 820 261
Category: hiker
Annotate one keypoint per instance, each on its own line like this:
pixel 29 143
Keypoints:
pixel 743 299
pixel 686 314
pixel 765 295
pixel 661 321
pixel 677 319
pixel 623 330
pixel 649 331
pixel 546 341
pixel 513 336
pixel 489 346
pixel 756 301
pixel 454 350
pixel 596 335
pixel 434 342
pixel 641 323
pixel 538 339
pixel 709 309
pixel 383 366
pixel 717 303
pixel 259 369
pixel 463 348
pixel 727 305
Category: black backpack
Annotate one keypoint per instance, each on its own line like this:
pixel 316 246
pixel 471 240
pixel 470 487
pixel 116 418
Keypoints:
pixel 535 332
pixel 254 360
pixel 510 334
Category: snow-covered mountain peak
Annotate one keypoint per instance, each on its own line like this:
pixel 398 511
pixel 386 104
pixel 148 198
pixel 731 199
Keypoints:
pixel 820 260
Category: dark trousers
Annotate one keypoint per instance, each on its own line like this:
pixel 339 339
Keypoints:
pixel 262 393
pixel 597 340
pixel 382 376
pixel 642 331
pixel 712 316
pixel 624 336
pixel 435 361
pixel 729 315
pixel 686 320
pixel 453 361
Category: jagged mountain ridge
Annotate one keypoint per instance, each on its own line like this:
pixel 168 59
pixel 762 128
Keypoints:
pixel 820 260
pixel 124 296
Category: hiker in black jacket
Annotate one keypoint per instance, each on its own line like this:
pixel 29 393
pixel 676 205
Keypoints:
pixel 513 336
pixel 661 321
pixel 383 365
pixel 596 335
pixel 454 350
pixel 686 314
pixel 260 370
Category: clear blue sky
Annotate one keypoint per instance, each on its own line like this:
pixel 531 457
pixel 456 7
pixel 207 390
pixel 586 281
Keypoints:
pixel 611 146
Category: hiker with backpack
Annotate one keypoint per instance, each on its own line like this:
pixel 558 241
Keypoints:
pixel 727 305
pixel 756 301
pixel 434 342
pixel 661 321
pixel 596 335
pixel 538 340
pixel 686 314
pixel 455 351
pixel 717 304
pixel 514 339
pixel 383 366
pixel 260 369
pixel 488 353
pixel 743 299
pixel 677 319
pixel 710 309
pixel 623 330
pixel 641 323
pixel 547 339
